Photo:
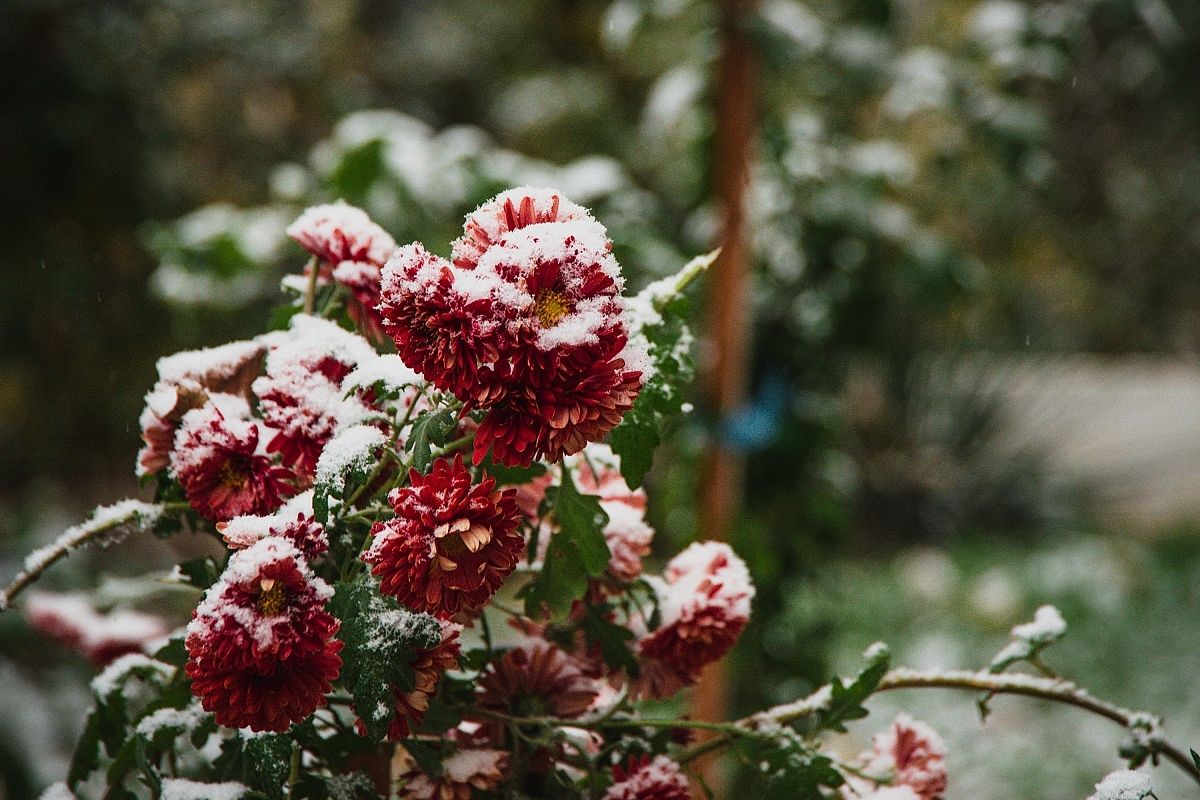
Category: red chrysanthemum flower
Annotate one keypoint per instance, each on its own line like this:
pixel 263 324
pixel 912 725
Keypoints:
pixel 560 414
pixel 646 778
pixel 465 772
pixel 450 545
pixel 216 461
pixel 910 754
pixel 704 599
pixel 301 404
pixel 441 321
pixel 536 679
pixel 428 667
pixel 185 381
pixel 261 652
pixel 290 522
pixel 338 232
pixel 510 211
pixel 73 621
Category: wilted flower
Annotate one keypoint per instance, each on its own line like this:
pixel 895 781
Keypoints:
pixel 536 678
pixel 427 667
pixel 463 771
pixel 646 778
pixel 216 460
pixel 261 652
pixel 450 545
pixel 704 598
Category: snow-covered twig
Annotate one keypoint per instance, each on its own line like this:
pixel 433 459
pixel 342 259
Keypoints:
pixel 107 525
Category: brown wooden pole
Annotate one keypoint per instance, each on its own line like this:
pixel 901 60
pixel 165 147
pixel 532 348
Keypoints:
pixel 723 379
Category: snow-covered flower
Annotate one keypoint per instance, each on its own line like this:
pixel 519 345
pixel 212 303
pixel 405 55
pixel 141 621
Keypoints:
pixel 427 666
pixel 73 621
pixel 628 537
pixel 261 652
pixel 217 461
pixel 450 545
pixel 337 232
pixel 509 211
pixel 1124 784
pixel 646 778
pixel 536 677
pixel 297 526
pixel 704 599
pixel 909 754
pixel 184 383
pixel 465 771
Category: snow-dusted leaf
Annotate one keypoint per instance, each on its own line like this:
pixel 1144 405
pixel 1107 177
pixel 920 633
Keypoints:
pixel 380 640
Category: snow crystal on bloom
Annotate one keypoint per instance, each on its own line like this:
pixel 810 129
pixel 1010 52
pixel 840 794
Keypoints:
pixel 508 211
pixel 387 370
pixel 1125 784
pixel 182 789
pixel 338 232
pixel 643 778
pixel 353 448
pixel 116 673
pixel 890 793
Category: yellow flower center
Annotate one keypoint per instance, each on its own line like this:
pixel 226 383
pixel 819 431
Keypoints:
pixel 270 599
pixel 550 307
pixel 230 477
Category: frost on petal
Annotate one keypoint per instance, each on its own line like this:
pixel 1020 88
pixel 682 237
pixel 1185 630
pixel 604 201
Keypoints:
pixel 182 789
pixel 508 211
pixel 912 754
pixel 646 778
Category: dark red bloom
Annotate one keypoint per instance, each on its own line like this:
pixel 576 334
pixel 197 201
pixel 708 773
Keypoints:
pixel 216 461
pixel 73 621
pixel 296 526
pixel 261 652
pixel 442 325
pixel 536 679
pixel 450 545
pixel 646 778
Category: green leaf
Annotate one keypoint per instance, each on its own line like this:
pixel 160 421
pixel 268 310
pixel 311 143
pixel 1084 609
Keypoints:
pixel 635 441
pixel 268 760
pixel 786 767
pixel 612 639
pixel 381 639
pixel 86 757
pixel 428 430
pixel 846 700
pixel 427 755
pixel 512 476
pixel 576 551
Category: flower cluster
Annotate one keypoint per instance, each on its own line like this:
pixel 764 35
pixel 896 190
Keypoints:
pixel 526 322
pixel 261 652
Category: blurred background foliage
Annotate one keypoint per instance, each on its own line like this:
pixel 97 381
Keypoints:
pixel 941 190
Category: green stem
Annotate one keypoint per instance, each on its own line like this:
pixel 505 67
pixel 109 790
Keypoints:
pixel 310 292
